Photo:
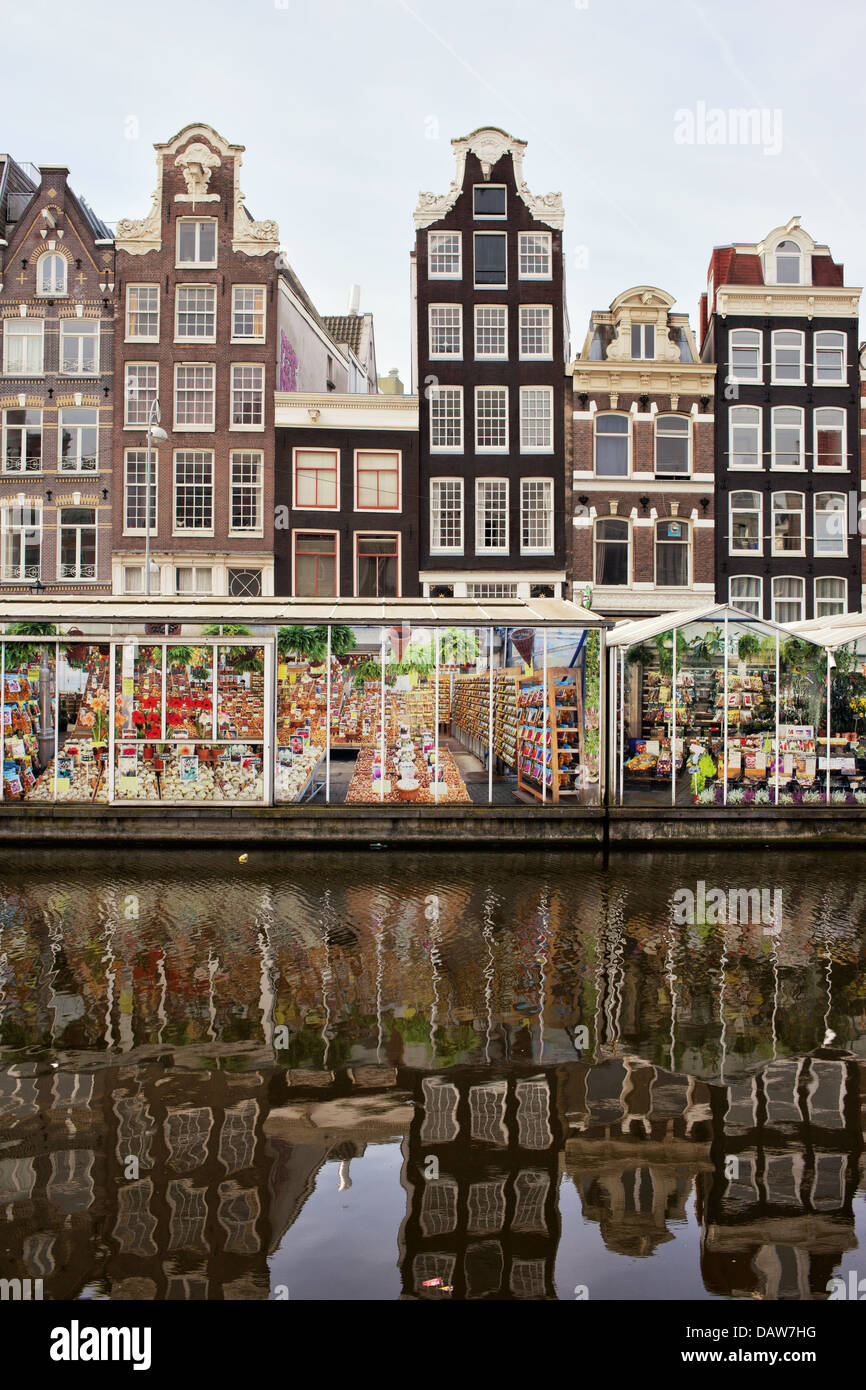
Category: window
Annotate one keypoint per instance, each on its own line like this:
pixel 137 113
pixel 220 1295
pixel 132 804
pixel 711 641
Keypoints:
pixel 672 553
pixel 133 579
pixel 491 516
pixel 193 579
pixel 745 350
pixel 490 266
pixel 446 330
pixel 22 441
pixel 245 583
pixel 788 357
pixel 444 259
pixel 315 564
pixel 788 600
pixel 142 313
pixel 745 592
pixel 77 543
pixel 643 341
pixel 536 419
pixel 446 419
pixel 611 446
pixel 788 528
pixel 831 597
pixel 536 516
pixel 491 419
pixel 377 481
pixel 22 347
pixel 51 275
pixel 248 313
pixel 830 443
pixel 316 479
pixel 829 359
pixel 672 445
pixel 831 523
pixel 491 331
pixel 194 396
pixel 20 543
pixel 744 424
pixel 79 441
pixel 612 560
pixel 136 490
pixel 195 313
pixel 377 561
pixel 536 332
pixel 446 516
pixel 193 490
pixel 248 397
pixel 534 255
pixel 488 200
pixel 787 263
pixel 79 347
pixel 746 531
pixel 142 388
pixel 788 437
pixel 245 510
pixel 196 242
pixel 494 590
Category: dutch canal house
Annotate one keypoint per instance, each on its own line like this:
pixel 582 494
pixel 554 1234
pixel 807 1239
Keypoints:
pixel 57 287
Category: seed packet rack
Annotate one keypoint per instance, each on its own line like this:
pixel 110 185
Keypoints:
pixel 550 734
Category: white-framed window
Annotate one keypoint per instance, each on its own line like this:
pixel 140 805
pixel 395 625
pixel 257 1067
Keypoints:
pixel 789 530
pixel 141 389
pixel 831 523
pixel 248 396
pixel 193 579
pixel 248 314
pixel 315 564
pixel 491 260
pixel 745 346
pixel 377 564
pixel 831 448
pixel 193 490
pixel 611 451
pixel 446 419
pixel 612 547
pixel 494 589
pixel 78 440
pixel 831 597
pixel 643 342
pixel 672 553
pixel 536 516
pixel 133 579
pixel 135 491
pixel 196 241
pixel 195 314
pixel 536 332
pixel 491 516
pixel 377 480
pixel 22 441
pixel 744 591
pixel 20 542
pixel 142 313
pixel 446 516
pixel 446 331
pixel 491 332
pixel 51 276
pixel 744 442
pixel 491 419
pixel 245 499
pixel 788 442
pixel 787 261
pixel 534 256
pixel 830 353
pixel 673 445
pixel 79 347
pixel 77 543
pixel 444 256
pixel 316 479
pixel 194 396
pixel 789 599
pixel 746 531
pixel 536 419
pixel 488 202
pixel 23 347
pixel 788 357
pixel 245 583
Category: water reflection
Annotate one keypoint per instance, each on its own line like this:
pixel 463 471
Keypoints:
pixel 380 1075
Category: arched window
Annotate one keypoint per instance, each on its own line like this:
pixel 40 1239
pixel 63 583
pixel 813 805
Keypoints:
pixel 829 359
pixel 745 346
pixel 789 531
pixel 672 553
pixel 745 593
pixel 744 445
pixel 830 597
pixel 830 443
pixel 745 524
pixel 611 446
pixel 672 445
pixel 787 259
pixel 831 523
pixel 51 275
pixel 788 449
pixel 612 559
pixel 788 599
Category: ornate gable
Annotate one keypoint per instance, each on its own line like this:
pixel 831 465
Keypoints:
pixel 489 144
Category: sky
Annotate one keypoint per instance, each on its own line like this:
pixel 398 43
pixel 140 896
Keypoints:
pixel 347 109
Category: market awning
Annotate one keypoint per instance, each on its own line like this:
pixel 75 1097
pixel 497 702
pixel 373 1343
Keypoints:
pixel 833 632
pixel 629 634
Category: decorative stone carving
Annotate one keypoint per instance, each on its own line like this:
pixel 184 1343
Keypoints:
pixel 197 163
pixel 255 238
pixel 489 144
pixel 139 236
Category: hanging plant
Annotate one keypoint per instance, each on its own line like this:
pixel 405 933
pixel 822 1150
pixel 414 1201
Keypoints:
pixel 748 646
pixel 179 656
pixel 28 653
pixel 640 655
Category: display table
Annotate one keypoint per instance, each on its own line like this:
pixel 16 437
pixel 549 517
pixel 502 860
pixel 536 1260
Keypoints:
pixel 364 787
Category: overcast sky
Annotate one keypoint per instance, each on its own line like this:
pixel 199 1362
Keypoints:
pixel 347 107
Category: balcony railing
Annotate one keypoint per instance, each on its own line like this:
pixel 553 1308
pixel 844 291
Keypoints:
pixel 20 574
pixel 14 464
pixel 77 571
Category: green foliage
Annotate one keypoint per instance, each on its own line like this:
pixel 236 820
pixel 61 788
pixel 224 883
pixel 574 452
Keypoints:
pixel 179 656
pixel 312 642
pixel 640 655
pixel 27 653
pixel 748 646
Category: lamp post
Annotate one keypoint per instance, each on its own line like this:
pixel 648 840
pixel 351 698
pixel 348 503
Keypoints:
pixel 154 431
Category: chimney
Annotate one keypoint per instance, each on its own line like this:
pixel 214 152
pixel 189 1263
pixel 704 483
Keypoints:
pixel 354 299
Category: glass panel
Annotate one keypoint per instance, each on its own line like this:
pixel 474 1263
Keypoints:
pixel 29 693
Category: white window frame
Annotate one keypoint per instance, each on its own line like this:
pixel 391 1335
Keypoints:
pixel 548 547
pixel 641 330
pixel 130 337
pixel 63 292
pixel 817 347
pixel 775 347
pixel 821 610
pixel 132 589
pixel 534 274
pixel 432 311
pixel 194 427
pixel 840 530
pixel 67 327
pixel 740 603
pixel 384 511
pixel 177 530
pixel 77 428
pixel 480 548
pixel 785 552
pixel 16 322
pixel 686 541
pixel 194 337
pixel 752 510
pixel 436 513
pixel 437 393
pixel 752 425
pixel 604 415
pixel 660 419
pixel 490 216
pixel 751 346
pixel 200 264
pixel 189 563
pixel 547 354
pixel 27 429
pixel 774 261
pixel 127 399
pixel 431 252
pixel 319 507
pixel 798 579
pixel 502 392
pixel 154 491
pixel 480 310
pixel 524 421
pixel 254 426
pixel 774 425
pixel 240 456
pixel 78 527
pixel 843 436
pixel 501 285
pixel 316 531
pixel 7 531
pixel 254 337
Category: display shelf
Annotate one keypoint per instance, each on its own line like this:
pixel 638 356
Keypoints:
pixel 550 733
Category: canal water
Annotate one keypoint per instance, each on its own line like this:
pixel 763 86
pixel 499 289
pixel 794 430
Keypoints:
pixel 432 1075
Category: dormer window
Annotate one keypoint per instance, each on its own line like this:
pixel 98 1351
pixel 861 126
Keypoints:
pixel 488 201
pixel 787 257
pixel 51 276
pixel 196 242
pixel 643 341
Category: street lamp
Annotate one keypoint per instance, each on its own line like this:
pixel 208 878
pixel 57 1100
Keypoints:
pixel 154 431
